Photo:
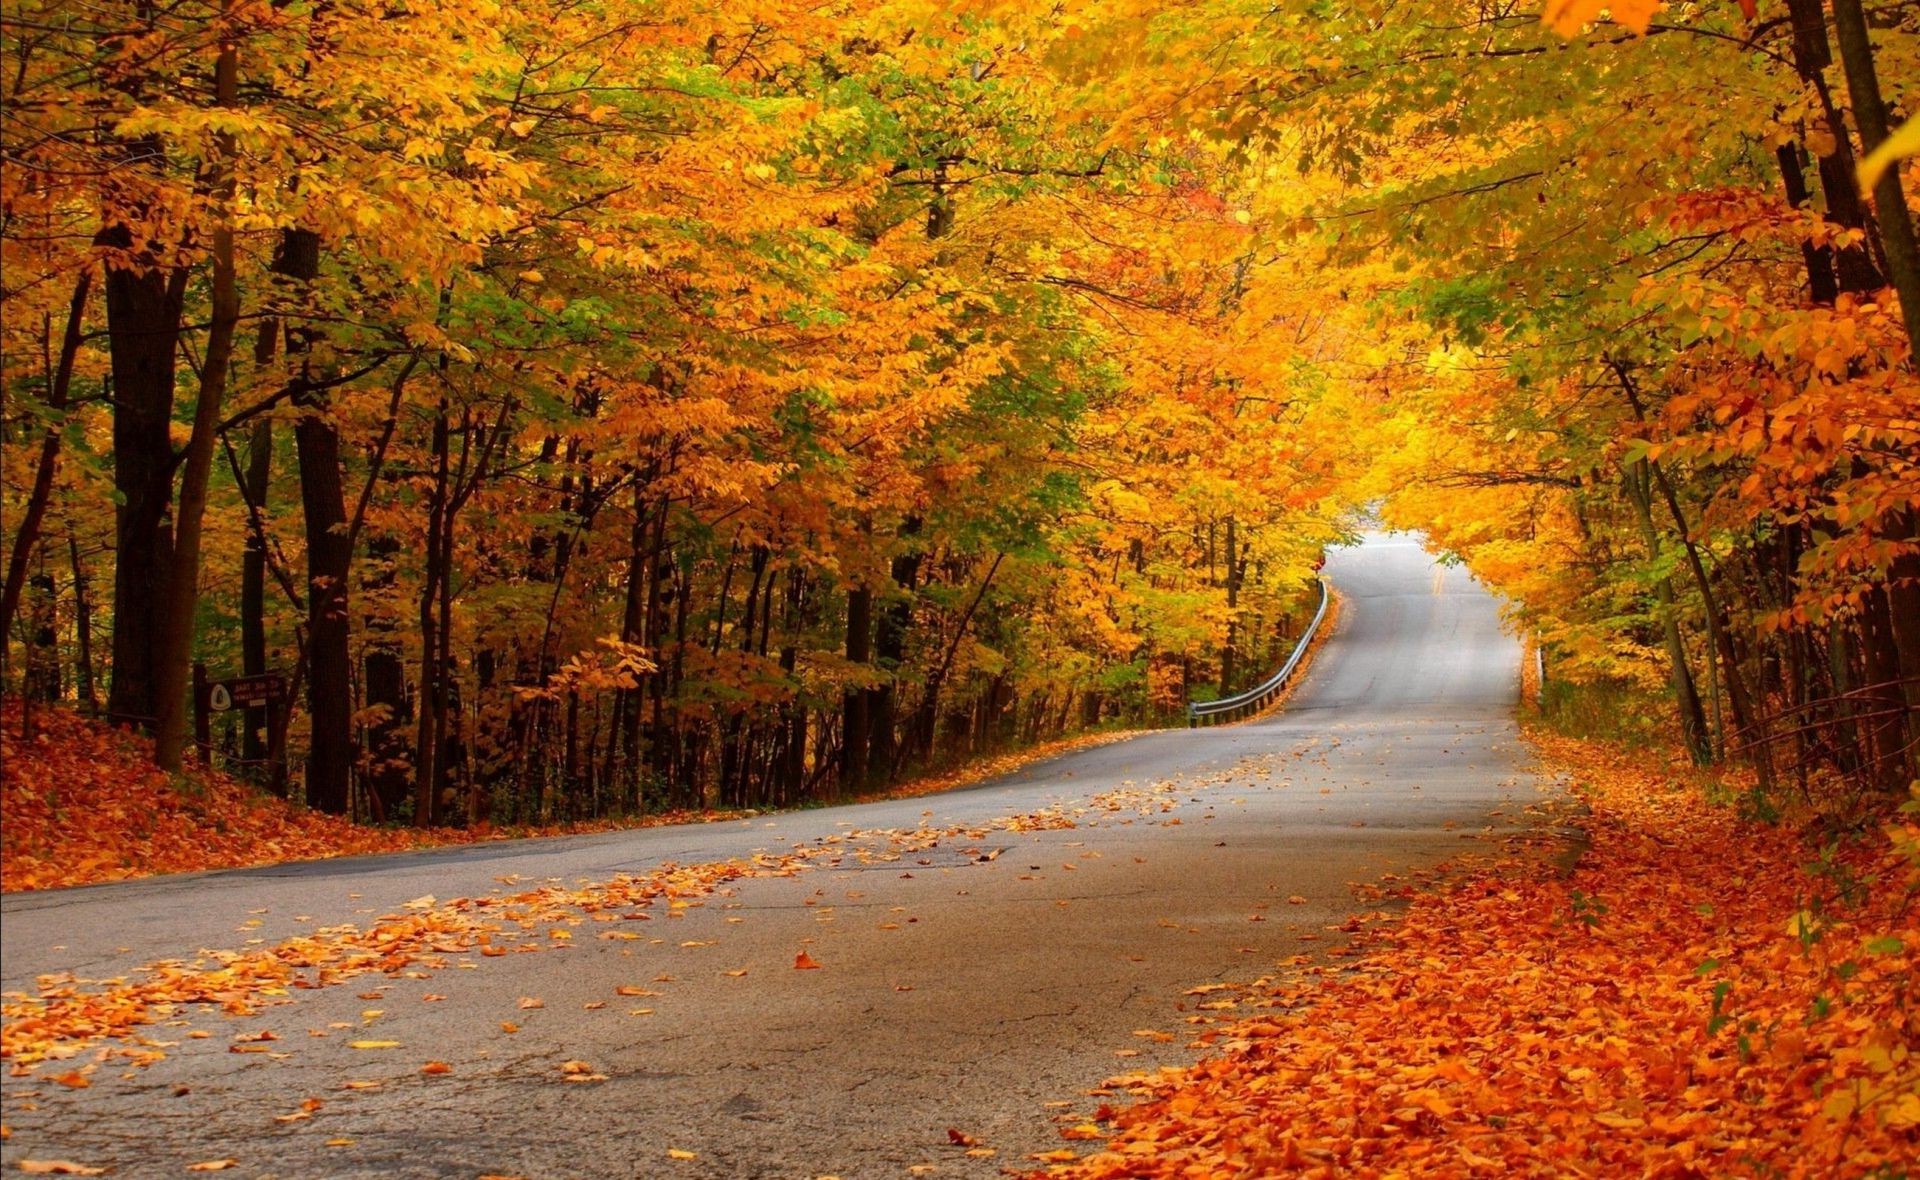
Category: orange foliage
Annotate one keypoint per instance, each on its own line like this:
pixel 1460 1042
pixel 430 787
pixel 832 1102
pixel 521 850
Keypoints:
pixel 85 804
pixel 1691 1000
pixel 67 1015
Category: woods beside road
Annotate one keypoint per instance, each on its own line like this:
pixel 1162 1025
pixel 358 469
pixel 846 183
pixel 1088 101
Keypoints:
pixel 429 423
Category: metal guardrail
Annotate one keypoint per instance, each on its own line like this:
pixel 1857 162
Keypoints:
pixel 1254 699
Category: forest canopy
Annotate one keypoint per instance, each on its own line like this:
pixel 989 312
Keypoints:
pixel 600 407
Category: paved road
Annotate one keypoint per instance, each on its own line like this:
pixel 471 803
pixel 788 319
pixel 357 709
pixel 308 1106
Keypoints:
pixel 953 991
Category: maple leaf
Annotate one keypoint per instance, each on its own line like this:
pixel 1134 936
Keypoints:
pixel 805 962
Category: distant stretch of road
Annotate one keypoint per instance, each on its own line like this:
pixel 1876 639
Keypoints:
pixel 962 991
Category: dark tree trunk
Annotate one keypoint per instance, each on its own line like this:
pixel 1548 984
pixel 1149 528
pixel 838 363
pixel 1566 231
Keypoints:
pixel 854 717
pixel 82 628
pixel 59 381
pixel 143 333
pixel 890 649
pixel 389 754
pixel 253 587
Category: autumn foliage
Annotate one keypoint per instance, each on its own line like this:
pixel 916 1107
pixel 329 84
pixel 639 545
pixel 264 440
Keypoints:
pixel 1702 995
pixel 85 804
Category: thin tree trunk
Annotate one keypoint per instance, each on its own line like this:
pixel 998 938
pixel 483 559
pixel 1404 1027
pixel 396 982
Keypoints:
pixel 854 717
pixel 253 585
pixel 175 653
pixel 433 694
pixel 59 382
pixel 890 649
pixel 82 628
pixel 1889 198
pixel 1693 723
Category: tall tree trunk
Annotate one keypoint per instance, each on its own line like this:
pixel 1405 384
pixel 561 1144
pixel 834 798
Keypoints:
pixel 1889 198
pixel 143 333
pixel 854 716
pixel 384 672
pixel 1903 266
pixel 790 772
pixel 59 381
pixel 253 586
pixel 316 439
pixel 1234 570
pixel 890 649
pixel 82 628
pixel 1693 720
pixel 1812 54
pixel 433 688
pixel 175 650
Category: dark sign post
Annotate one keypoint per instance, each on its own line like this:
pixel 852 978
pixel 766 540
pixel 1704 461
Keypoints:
pixel 266 690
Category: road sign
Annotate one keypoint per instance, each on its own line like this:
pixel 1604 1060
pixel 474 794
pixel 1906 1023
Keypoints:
pixel 264 691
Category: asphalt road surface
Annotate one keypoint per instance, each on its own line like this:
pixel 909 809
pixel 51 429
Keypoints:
pixel 964 986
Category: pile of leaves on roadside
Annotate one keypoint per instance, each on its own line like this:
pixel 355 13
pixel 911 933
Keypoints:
pixel 83 803
pixel 1701 996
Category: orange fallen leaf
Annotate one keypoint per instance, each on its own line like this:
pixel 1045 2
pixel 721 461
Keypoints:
pixel 508 1026
pixel 73 1079
pixel 59 1168
pixel 678 1154
pixel 213 1165
pixel 805 962
pixel 435 1068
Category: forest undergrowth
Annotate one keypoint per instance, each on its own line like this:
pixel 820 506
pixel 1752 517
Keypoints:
pixel 85 804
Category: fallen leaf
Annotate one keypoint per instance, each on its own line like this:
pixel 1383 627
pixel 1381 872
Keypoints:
pixel 805 962
pixel 213 1165
pixel 59 1168
pixel 373 1044
pixel 435 1068
pixel 677 1154
pixel 530 1002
